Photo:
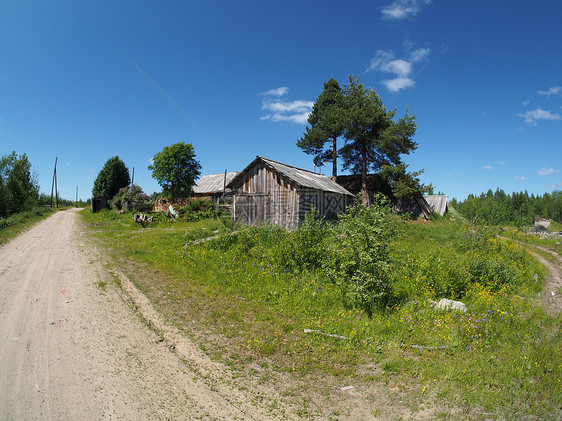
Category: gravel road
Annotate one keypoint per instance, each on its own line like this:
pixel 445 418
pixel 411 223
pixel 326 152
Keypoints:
pixel 72 349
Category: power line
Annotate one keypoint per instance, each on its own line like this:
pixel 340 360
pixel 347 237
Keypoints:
pixel 181 111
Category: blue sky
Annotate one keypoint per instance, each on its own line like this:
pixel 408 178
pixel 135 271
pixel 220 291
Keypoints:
pixel 85 81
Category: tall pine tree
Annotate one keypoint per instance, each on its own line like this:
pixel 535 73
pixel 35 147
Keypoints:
pixel 374 141
pixel 326 121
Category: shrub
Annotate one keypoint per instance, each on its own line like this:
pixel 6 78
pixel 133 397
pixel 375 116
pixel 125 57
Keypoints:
pixel 358 260
pixel 304 248
pixel 133 198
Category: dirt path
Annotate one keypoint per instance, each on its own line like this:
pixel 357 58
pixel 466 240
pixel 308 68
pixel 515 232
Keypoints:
pixel 552 292
pixel 551 296
pixel 73 349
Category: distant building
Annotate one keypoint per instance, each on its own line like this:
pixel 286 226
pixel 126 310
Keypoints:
pixel 98 204
pixel 269 192
pixel 437 203
pixel 375 184
pixel 418 206
pixel 213 186
pixel 542 222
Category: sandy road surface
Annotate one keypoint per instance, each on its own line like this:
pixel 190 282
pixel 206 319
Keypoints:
pixel 70 350
pixel 552 291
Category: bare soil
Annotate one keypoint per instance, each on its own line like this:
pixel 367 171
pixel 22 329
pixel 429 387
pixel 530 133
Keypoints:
pixel 551 297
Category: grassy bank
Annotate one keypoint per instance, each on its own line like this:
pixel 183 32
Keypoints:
pixel 248 297
pixel 550 242
pixel 15 224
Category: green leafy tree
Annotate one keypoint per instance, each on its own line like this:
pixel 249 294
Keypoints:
pixel 18 187
pixel 326 121
pixel 113 176
pixel 176 169
pixel 374 141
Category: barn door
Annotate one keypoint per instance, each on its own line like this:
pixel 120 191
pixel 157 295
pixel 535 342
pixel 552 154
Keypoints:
pixel 251 209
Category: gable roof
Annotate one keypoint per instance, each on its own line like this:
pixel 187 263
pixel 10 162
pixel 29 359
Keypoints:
pixel 437 202
pixel 303 178
pixel 213 183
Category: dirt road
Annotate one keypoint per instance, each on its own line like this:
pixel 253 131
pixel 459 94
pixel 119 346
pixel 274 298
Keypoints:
pixel 552 291
pixel 71 348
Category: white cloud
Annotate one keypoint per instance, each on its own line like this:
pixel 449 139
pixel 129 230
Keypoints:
pixel 526 102
pixel 520 177
pixel 502 163
pixel 285 111
pixel 402 68
pixel 531 117
pixel 395 85
pixel 555 90
pixel 487 167
pixel 282 90
pixel 402 9
pixel 386 61
pixel 546 171
pixel 420 54
pixel 301 118
pixel 555 186
pixel 288 107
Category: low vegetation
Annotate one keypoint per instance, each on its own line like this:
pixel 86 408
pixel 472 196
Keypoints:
pixel 263 295
pixel 16 223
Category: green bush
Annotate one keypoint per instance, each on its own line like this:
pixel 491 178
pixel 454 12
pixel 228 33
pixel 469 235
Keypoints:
pixel 133 198
pixel 303 249
pixel 358 259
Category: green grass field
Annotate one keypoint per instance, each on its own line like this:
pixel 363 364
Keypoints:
pixel 248 295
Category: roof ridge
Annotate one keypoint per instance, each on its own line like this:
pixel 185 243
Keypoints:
pixel 291 166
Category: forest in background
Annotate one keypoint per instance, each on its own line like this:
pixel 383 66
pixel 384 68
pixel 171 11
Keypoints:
pixel 519 209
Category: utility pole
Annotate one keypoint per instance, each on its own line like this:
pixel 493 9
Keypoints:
pixel 133 179
pixel 54 187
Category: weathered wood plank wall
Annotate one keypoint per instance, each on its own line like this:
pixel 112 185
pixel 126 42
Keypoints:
pixel 265 196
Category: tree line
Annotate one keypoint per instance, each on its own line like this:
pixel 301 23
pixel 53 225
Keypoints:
pixel 19 190
pixel 372 139
pixel 499 208
pixel 175 168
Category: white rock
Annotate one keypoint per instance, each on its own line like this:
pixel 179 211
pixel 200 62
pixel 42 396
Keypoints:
pixel 446 304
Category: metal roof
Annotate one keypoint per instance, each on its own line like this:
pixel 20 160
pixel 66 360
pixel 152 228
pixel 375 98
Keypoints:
pixel 303 178
pixel 437 202
pixel 213 183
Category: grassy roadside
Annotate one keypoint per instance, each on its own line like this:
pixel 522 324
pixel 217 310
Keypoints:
pixel 551 243
pixel 500 358
pixel 12 226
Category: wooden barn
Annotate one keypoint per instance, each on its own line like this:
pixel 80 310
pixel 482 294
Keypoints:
pixel 269 192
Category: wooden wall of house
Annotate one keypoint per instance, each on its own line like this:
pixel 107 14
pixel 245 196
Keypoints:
pixel 328 204
pixel 264 196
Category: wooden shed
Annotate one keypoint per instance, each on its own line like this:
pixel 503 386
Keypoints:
pixel 269 192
